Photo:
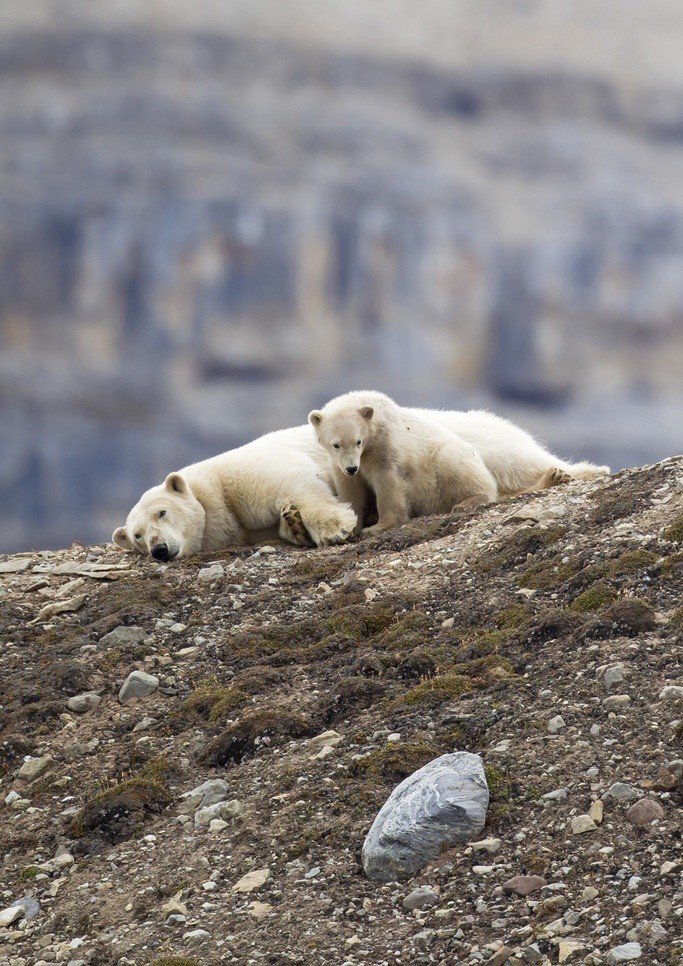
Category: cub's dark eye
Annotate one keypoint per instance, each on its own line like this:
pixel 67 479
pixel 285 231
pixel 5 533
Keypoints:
pixel 336 445
pixel 357 442
pixel 162 513
pixel 138 536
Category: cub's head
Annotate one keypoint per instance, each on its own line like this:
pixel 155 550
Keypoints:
pixel 166 522
pixel 344 434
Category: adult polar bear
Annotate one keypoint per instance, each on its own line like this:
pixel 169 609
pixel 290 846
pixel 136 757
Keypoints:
pixel 277 485
pixel 419 461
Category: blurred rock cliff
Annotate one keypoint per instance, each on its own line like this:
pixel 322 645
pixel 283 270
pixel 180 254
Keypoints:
pixel 212 219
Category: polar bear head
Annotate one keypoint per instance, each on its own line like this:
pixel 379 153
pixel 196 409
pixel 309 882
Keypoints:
pixel 167 521
pixel 344 433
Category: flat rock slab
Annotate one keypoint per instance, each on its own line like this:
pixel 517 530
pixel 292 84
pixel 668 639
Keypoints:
pixel 524 885
pixel 123 635
pixel 440 804
pixel 138 684
pixel 252 881
pixel 15 566
pixel 10 915
pixel 624 954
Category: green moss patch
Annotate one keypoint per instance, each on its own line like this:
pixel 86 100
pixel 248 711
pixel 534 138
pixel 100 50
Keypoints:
pixel 396 760
pixel 595 597
pixel 674 531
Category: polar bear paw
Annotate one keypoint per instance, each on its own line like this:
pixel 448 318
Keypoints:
pixel 554 477
pixel 293 528
pixel 335 529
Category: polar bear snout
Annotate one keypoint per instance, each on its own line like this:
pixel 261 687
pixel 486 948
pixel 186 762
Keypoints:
pixel 160 551
pixel 350 470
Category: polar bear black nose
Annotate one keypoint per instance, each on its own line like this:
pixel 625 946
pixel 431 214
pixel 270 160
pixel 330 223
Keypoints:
pixel 352 470
pixel 160 551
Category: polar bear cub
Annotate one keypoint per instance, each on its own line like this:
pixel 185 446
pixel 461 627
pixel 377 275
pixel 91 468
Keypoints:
pixel 411 464
pixel 277 485
pixel 413 468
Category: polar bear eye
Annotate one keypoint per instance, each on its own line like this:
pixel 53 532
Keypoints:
pixel 162 513
pixel 357 442
pixel 138 536
pixel 336 445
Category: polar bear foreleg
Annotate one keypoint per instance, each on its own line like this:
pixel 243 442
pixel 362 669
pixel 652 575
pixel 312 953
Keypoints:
pixel 325 519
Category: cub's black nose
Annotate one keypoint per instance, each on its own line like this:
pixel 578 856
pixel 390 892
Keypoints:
pixel 352 470
pixel 160 551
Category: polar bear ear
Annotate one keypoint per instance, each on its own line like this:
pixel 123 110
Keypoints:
pixel 315 418
pixel 176 483
pixel 367 412
pixel 120 538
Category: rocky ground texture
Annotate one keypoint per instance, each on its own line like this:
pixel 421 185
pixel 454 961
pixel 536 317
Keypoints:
pixel 192 754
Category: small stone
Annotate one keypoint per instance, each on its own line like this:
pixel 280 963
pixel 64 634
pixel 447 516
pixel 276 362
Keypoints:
pixel 556 724
pixel 252 881
pixel 582 823
pixel 211 573
pixel 424 938
pixel 323 740
pixel 595 811
pixel 174 907
pixel 569 949
pixel 524 885
pixel 557 795
pixel 122 635
pixel 500 957
pixel 624 954
pixel 589 893
pixel 138 684
pixel 671 692
pixel 491 846
pixel 221 810
pixel 196 935
pixel 621 792
pixel 644 812
pixel 35 768
pixel 617 702
pixel 258 910
pixel 30 906
pixel 613 677
pixel 532 954
pixel 420 898
pixel 211 791
pixel 81 703
pixel 448 623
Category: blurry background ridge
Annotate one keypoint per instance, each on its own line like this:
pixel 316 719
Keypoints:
pixel 214 216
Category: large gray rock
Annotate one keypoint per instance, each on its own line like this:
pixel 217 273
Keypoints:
pixel 138 684
pixel 441 804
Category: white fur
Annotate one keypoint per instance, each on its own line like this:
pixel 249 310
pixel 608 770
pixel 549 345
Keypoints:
pixel 239 498
pixel 413 465
pixel 419 461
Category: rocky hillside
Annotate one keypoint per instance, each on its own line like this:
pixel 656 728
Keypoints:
pixel 218 215
pixel 302 686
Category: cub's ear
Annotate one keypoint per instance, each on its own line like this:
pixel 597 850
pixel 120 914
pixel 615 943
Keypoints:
pixel 315 418
pixel 121 540
pixel 367 412
pixel 176 483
